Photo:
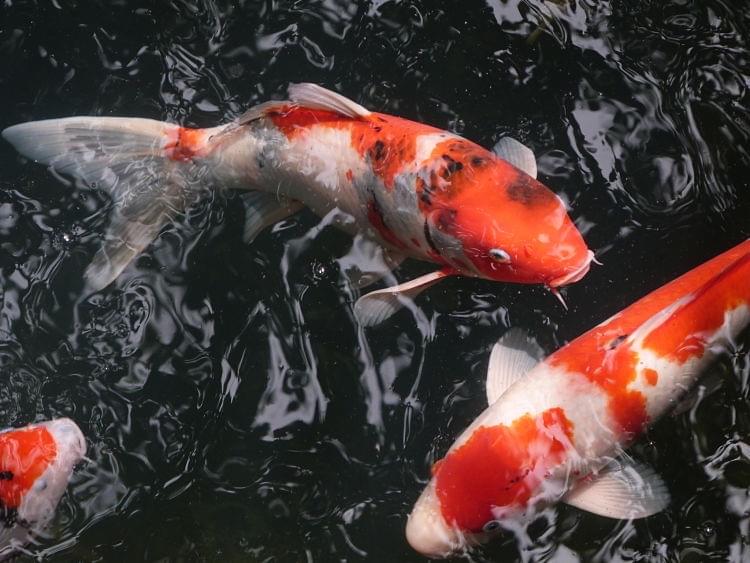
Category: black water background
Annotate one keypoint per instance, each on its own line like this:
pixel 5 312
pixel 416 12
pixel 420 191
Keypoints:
pixel 233 408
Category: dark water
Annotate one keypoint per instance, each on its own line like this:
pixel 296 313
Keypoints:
pixel 233 408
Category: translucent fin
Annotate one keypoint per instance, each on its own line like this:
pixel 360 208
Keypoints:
pixel 263 210
pixel 256 112
pixel 629 490
pixel 376 306
pixel 368 262
pixel 517 154
pixel 316 97
pixel 514 355
pixel 146 166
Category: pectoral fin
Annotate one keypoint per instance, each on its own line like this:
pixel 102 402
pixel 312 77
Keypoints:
pixel 263 210
pixel 514 355
pixel 517 154
pixel 628 490
pixel 376 306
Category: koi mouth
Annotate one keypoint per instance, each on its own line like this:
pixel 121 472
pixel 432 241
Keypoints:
pixel 575 275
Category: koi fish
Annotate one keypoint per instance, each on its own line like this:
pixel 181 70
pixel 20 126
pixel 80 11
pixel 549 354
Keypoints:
pixel 556 430
pixel 36 463
pixel 415 190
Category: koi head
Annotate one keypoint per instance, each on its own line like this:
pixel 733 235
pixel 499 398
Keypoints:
pixel 35 464
pixel 508 227
pixel 494 473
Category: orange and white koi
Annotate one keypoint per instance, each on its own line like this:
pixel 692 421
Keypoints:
pixel 415 190
pixel 555 430
pixel 36 463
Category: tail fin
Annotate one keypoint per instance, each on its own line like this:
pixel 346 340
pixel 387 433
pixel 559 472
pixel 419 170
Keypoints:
pixel 146 166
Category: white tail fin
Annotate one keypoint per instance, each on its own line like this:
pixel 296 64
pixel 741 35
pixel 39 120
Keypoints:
pixel 146 166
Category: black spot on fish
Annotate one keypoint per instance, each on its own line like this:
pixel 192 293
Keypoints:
pixel 617 341
pixel 477 161
pixel 6 475
pixel 451 166
pixel 378 150
pixel 527 191
pixel 446 219
pixel 377 129
pixel 8 515
pixel 428 237
pixel 426 197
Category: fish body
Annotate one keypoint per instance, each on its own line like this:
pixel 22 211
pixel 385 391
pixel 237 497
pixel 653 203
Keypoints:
pixel 36 463
pixel 417 191
pixel 555 432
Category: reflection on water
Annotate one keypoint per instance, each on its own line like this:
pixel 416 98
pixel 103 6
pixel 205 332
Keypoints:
pixel 232 406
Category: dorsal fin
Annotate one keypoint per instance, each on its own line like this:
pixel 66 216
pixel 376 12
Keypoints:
pixel 316 97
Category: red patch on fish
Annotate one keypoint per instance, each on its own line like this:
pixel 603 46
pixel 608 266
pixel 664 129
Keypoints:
pixel 388 143
pixel 500 466
pixel 24 455
pixel 651 376
pixel 295 120
pixel 684 334
pixel 604 354
pixel 185 144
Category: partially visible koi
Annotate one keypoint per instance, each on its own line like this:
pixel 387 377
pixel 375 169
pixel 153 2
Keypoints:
pixel 36 463
pixel 555 430
pixel 417 191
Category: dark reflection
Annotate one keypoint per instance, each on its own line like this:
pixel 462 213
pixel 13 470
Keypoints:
pixel 232 406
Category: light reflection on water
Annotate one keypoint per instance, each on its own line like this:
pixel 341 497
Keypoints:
pixel 232 406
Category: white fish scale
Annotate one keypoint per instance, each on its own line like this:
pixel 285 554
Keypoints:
pixel 321 160
pixel 426 145
pixel 547 387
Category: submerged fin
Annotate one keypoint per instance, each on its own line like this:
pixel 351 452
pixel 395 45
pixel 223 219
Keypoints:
pixel 263 210
pixel 707 385
pixel 145 166
pixel 367 262
pixel 514 355
pixel 316 97
pixel 517 154
pixel 628 490
pixel 376 306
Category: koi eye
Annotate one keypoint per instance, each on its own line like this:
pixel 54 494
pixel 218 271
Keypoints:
pixel 491 526
pixel 499 255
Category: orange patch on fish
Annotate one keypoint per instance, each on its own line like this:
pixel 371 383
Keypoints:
pixel 500 466
pixel 684 334
pixel 651 376
pixel 185 145
pixel 609 363
pixel 24 455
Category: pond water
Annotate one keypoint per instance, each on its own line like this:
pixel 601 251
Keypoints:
pixel 233 408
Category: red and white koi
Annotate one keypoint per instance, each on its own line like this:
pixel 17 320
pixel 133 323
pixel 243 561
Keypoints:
pixel 554 430
pixel 36 463
pixel 417 191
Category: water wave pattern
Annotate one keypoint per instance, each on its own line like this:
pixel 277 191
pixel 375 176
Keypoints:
pixel 232 406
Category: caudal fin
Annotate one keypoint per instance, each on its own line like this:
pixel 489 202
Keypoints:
pixel 146 166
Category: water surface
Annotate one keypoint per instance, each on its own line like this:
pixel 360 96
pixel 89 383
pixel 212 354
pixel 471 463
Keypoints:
pixel 234 410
